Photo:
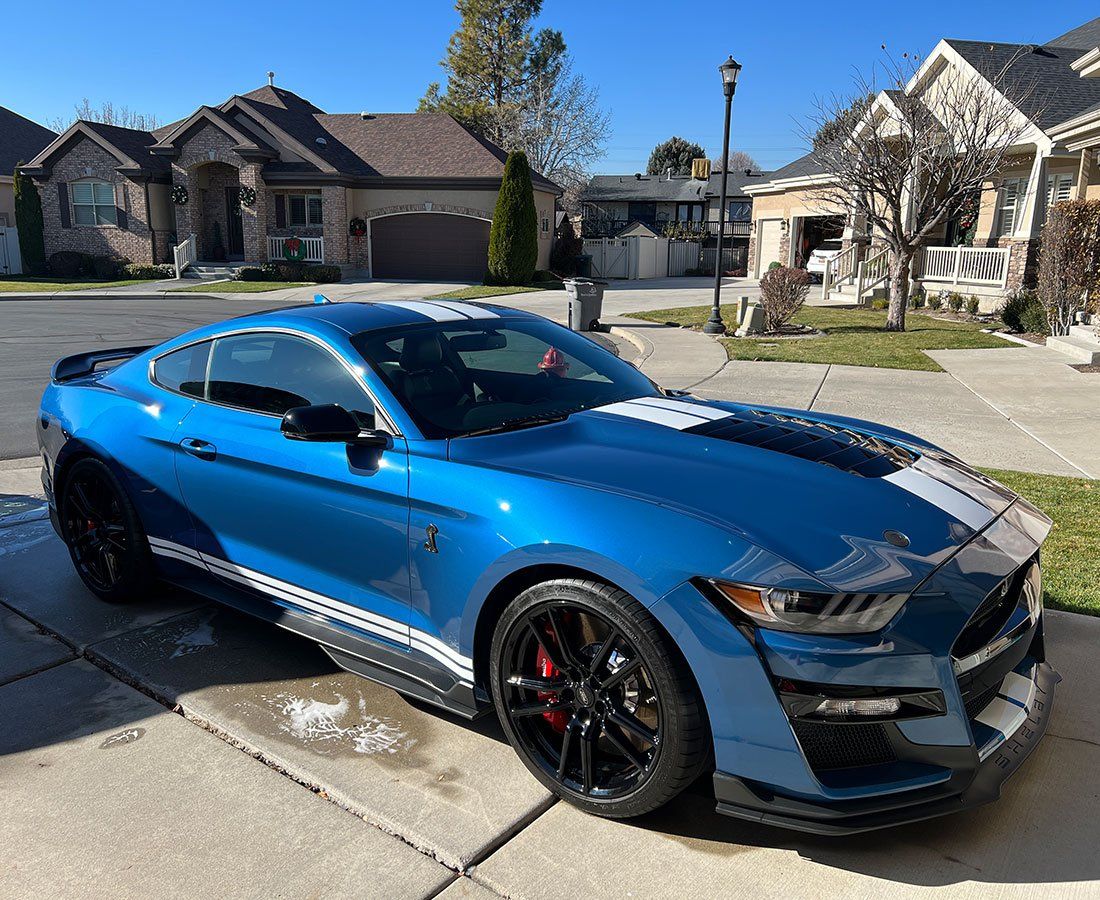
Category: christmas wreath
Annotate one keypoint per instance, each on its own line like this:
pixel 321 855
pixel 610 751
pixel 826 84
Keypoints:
pixel 179 195
pixel 357 227
pixel 247 195
pixel 294 249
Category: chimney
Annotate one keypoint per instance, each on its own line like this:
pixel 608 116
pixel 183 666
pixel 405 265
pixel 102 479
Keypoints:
pixel 700 169
pixel 271 79
pixel 668 174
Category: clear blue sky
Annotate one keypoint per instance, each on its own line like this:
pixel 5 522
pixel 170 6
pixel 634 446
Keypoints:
pixel 654 63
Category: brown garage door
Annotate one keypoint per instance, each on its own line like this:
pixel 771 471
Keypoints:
pixel 432 246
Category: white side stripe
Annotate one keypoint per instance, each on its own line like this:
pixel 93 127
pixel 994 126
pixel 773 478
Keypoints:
pixel 319 604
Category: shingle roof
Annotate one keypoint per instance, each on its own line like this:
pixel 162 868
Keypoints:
pixel 134 143
pixel 1038 80
pixel 662 189
pixel 803 167
pixel 1086 36
pixel 21 140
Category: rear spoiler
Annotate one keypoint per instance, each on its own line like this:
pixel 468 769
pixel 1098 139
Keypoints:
pixel 69 367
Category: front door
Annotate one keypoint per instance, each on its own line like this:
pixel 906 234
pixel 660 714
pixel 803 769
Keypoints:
pixel 234 228
pixel 320 527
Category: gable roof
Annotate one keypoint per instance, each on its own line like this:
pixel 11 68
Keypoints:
pixel 21 140
pixel 1085 36
pixel 128 146
pixel 1039 81
pixel 663 189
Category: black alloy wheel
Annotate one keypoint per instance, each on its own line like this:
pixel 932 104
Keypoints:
pixel 103 533
pixel 592 700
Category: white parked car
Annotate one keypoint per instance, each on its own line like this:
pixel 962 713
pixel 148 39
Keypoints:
pixel 824 252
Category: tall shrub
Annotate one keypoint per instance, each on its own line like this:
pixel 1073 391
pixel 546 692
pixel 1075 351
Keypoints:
pixel 28 220
pixel 1069 261
pixel 513 237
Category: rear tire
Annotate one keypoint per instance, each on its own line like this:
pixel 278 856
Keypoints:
pixel 597 702
pixel 104 535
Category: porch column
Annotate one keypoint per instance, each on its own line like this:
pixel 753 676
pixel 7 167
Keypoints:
pixel 334 216
pixel 254 217
pixel 1023 244
pixel 189 215
pixel 1084 172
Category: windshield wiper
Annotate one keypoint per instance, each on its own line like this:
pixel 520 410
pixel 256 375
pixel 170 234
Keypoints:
pixel 517 424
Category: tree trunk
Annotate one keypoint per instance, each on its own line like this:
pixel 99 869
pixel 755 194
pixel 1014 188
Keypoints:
pixel 901 263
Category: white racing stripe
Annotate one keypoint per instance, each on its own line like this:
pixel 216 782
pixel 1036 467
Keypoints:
pixel 1006 712
pixel 655 414
pixel 431 310
pixel 468 309
pixel 1018 689
pixel 319 604
pixel 691 409
pixel 950 500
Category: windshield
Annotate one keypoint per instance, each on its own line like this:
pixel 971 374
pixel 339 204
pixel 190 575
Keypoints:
pixel 459 379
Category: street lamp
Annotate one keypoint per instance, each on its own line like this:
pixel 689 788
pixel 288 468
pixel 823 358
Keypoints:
pixel 729 70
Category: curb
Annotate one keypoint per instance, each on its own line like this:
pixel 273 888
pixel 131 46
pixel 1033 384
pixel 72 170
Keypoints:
pixel 644 347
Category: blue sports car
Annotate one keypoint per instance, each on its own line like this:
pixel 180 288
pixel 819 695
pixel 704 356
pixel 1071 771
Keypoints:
pixel 840 622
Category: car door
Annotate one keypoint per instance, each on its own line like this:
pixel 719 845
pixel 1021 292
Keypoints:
pixel 316 526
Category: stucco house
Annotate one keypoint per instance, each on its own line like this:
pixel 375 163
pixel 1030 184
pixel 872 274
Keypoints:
pixel 992 248
pixel 20 140
pixel 245 176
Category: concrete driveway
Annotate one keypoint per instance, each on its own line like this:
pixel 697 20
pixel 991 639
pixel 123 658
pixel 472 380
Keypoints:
pixel 176 748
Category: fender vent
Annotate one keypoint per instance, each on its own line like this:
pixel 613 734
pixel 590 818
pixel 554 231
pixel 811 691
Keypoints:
pixel 830 445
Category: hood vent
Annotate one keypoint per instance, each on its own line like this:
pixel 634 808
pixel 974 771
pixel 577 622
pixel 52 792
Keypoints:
pixel 841 448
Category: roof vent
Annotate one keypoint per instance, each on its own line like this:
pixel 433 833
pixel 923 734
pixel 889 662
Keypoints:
pixel 638 176
pixel 365 115
pixel 271 78
pixel 321 142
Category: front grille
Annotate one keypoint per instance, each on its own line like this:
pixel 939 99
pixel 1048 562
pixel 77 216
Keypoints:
pixel 977 701
pixel 991 615
pixel 843 746
pixel 830 445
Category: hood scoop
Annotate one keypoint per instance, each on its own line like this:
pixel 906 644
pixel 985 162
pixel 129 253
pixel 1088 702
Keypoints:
pixel 830 445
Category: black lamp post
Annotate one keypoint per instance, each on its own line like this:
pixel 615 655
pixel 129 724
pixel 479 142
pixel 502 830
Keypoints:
pixel 730 69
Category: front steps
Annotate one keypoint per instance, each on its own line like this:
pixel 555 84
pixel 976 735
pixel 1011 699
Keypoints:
pixel 211 271
pixel 1082 344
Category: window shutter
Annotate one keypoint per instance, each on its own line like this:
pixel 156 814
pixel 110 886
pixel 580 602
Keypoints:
pixel 280 211
pixel 63 203
pixel 120 207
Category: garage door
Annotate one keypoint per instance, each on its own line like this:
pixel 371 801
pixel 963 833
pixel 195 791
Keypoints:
pixel 768 251
pixel 430 246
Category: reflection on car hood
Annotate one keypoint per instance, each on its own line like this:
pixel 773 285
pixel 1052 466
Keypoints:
pixel 853 506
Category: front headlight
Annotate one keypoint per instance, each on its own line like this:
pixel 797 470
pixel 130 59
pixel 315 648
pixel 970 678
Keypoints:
pixel 786 610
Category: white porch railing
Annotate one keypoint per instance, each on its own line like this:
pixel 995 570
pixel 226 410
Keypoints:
pixel 872 272
pixel 184 255
pixel 315 249
pixel 839 270
pixel 965 265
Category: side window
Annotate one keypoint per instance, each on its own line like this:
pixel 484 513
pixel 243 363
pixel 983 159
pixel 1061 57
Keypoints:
pixel 271 373
pixel 184 370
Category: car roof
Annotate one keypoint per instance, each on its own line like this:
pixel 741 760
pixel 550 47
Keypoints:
pixel 355 316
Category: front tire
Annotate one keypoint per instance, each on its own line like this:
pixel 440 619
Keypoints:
pixel 104 535
pixel 598 704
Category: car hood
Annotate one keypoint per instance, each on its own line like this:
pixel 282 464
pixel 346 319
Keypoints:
pixel 849 504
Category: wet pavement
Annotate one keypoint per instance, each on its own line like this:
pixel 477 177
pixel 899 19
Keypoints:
pixel 146 746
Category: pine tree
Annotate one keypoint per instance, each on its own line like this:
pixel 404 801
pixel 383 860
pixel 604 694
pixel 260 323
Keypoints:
pixel 675 154
pixel 28 220
pixel 513 237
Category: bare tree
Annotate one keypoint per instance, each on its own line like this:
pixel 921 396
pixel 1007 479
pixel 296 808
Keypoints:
pixel 913 157
pixel 1069 261
pixel 739 161
pixel 108 114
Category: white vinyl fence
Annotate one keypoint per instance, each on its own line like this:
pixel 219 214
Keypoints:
pixel 11 263
pixel 732 258
pixel 683 255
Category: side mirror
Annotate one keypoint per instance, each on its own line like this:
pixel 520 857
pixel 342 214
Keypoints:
pixel 329 423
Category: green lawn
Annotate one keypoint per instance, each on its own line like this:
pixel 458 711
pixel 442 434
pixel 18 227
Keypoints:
pixel 479 291
pixel 1071 555
pixel 28 284
pixel 242 287
pixel 853 337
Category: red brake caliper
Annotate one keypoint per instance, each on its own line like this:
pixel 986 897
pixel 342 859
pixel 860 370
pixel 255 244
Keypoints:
pixel 546 669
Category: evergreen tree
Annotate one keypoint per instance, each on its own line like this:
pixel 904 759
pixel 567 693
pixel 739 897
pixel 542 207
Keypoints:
pixel 513 237
pixel 675 154
pixel 28 220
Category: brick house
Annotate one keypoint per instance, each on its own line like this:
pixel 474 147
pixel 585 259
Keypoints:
pixel 992 248
pixel 265 166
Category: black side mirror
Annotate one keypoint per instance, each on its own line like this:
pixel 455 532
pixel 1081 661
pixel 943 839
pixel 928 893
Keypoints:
pixel 330 423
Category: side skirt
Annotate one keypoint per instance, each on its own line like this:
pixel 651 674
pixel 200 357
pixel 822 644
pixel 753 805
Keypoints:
pixel 408 672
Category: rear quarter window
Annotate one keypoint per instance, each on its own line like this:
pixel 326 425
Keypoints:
pixel 183 371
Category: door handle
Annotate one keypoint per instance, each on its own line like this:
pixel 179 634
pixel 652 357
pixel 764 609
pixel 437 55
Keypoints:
pixel 199 449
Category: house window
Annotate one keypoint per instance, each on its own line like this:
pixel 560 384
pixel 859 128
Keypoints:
pixel 689 212
pixel 94 203
pixel 1008 200
pixel 545 224
pixel 1059 188
pixel 303 209
pixel 740 210
pixel 640 211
